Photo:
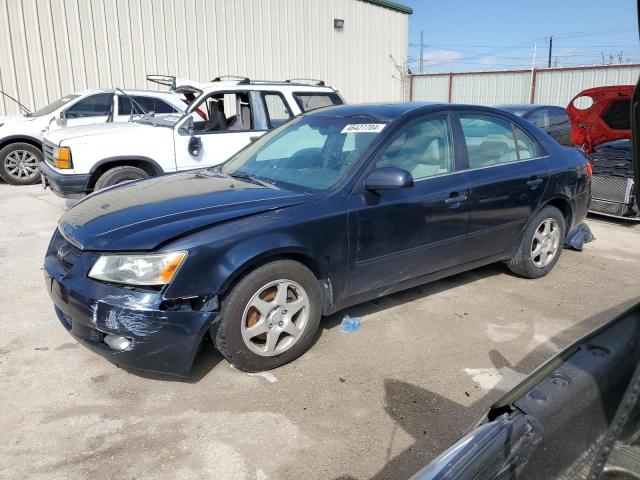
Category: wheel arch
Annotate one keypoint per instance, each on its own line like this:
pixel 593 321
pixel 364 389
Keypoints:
pixel 21 139
pixel 565 206
pixel 144 163
pixel 284 253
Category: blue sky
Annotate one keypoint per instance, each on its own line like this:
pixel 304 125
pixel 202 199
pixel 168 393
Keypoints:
pixel 462 35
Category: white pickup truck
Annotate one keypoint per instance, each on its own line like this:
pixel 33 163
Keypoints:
pixel 226 115
pixel 21 135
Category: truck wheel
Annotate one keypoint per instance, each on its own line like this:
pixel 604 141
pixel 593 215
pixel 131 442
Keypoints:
pixel 270 317
pixel 118 175
pixel 541 244
pixel 19 164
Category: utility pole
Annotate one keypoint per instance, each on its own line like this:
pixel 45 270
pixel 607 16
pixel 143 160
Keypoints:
pixel 532 92
pixel 550 49
pixel 421 51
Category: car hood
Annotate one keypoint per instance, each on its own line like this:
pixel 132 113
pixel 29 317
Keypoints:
pixel 606 119
pixel 144 214
pixel 16 119
pixel 112 128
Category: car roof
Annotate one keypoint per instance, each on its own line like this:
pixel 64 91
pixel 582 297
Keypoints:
pixel 263 86
pixel 128 91
pixel 524 106
pixel 391 111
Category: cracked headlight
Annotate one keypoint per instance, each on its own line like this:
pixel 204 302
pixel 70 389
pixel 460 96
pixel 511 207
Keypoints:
pixel 145 269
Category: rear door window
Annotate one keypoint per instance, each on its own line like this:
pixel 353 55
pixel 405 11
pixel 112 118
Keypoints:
pixel 97 105
pixel 277 110
pixel 489 141
pixel 527 147
pixel 310 101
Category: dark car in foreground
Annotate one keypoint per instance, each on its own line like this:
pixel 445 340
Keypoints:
pixel 549 118
pixel 336 207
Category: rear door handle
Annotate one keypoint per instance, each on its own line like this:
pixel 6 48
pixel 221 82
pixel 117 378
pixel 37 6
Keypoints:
pixel 456 199
pixel 534 182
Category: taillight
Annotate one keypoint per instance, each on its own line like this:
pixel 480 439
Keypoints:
pixel 201 113
pixel 589 169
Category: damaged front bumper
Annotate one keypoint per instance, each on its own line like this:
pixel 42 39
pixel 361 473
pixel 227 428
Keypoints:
pixel 140 330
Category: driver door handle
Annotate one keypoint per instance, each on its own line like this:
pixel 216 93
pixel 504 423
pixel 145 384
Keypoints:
pixel 455 198
pixel 534 182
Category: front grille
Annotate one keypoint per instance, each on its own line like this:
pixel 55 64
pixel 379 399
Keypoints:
pixel 48 148
pixel 610 208
pixel 65 254
pixel 611 189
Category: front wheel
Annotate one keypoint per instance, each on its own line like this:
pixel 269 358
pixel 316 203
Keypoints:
pixel 270 316
pixel 541 244
pixel 19 164
pixel 118 175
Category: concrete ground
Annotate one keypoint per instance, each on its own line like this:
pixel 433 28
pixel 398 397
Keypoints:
pixel 378 404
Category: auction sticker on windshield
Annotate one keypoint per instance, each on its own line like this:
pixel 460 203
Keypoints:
pixel 363 128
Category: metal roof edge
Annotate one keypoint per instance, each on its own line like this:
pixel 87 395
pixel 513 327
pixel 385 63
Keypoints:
pixel 398 7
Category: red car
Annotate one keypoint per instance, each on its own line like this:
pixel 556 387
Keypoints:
pixel 600 125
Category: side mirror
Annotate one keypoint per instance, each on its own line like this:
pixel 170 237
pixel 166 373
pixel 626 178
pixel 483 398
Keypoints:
pixel 388 178
pixel 195 145
pixel 187 127
pixel 60 117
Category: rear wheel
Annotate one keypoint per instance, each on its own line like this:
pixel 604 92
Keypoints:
pixel 270 317
pixel 19 164
pixel 541 244
pixel 118 175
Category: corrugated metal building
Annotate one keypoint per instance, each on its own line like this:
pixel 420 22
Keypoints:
pixel 549 86
pixel 54 47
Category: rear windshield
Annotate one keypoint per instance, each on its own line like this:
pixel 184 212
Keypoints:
pixel 310 101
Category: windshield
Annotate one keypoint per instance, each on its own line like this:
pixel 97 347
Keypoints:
pixel 310 153
pixel 53 106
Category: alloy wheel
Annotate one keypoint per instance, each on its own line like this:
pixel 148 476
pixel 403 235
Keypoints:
pixel 21 164
pixel 545 242
pixel 275 318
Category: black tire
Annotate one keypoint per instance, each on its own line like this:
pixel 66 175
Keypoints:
pixel 7 169
pixel 118 175
pixel 522 263
pixel 228 336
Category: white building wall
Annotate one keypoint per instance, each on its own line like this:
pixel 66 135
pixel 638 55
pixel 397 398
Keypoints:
pixel 432 88
pixel 490 88
pixel 558 87
pixel 552 86
pixel 54 47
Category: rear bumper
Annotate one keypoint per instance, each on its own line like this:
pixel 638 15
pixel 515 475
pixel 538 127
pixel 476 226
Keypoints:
pixel 162 340
pixel 65 186
pixel 582 203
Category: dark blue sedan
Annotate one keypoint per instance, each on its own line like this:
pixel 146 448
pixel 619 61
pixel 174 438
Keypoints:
pixel 336 207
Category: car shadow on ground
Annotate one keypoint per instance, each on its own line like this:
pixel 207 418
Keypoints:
pixel 435 422
pixel 421 291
